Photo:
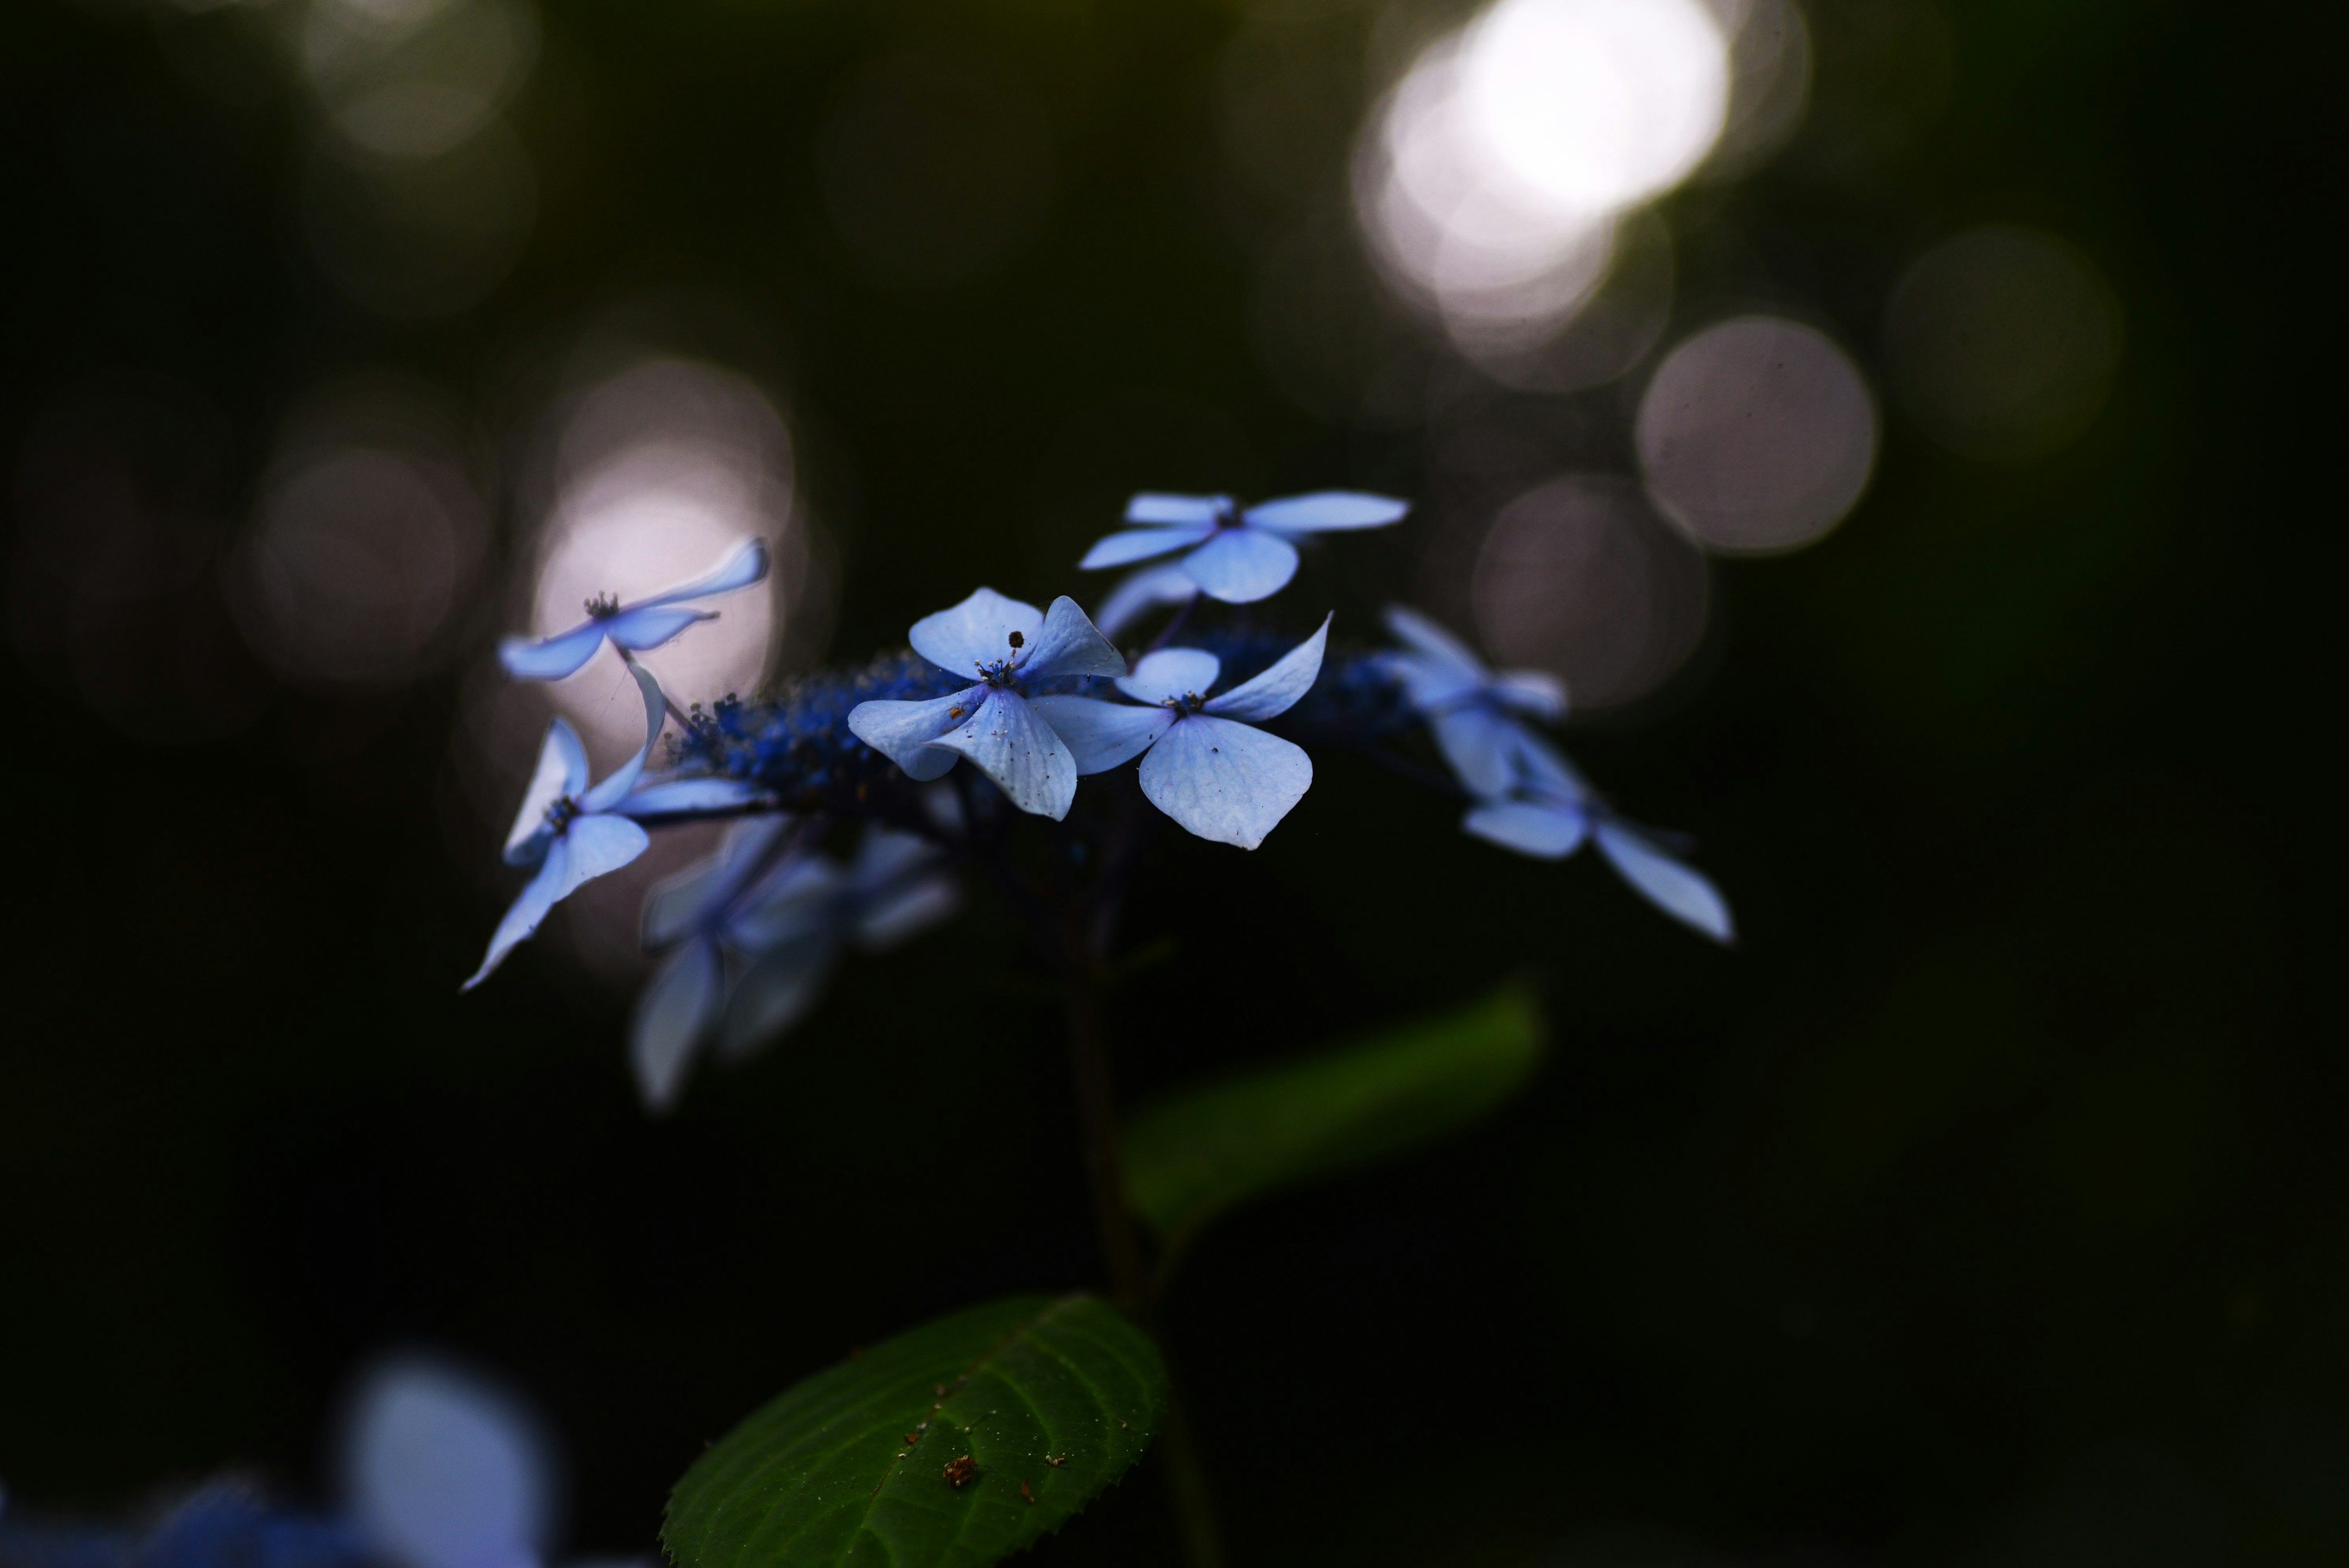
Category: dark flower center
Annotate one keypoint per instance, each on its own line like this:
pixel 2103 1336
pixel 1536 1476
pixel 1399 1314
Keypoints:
pixel 604 607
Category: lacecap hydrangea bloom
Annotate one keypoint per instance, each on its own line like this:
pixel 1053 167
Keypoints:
pixel 1222 724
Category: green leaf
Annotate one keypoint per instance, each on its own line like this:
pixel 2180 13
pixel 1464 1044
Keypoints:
pixel 852 1465
pixel 1191 1157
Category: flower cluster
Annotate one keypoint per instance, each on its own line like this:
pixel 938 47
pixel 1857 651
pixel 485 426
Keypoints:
pixel 1216 725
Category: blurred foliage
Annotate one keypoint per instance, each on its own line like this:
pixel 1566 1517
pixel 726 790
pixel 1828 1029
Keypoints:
pixel 1985 1206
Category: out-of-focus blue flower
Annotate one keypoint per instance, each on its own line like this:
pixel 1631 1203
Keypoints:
pixel 1005 643
pixel 645 623
pixel 753 933
pixel 1221 778
pixel 570 832
pixel 1138 592
pixel 226 1523
pixel 1236 555
pixel 441 1469
pixel 1475 714
pixel 1549 809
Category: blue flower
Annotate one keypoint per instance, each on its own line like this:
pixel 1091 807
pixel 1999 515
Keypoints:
pixel 571 834
pixel 1218 777
pixel 1474 714
pixel 754 933
pixel 1005 643
pixel 645 624
pixel 1234 555
pixel 1549 809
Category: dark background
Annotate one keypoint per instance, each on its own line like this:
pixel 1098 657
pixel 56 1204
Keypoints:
pixel 1985 1205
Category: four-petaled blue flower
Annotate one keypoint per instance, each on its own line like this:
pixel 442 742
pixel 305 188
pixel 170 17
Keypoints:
pixel 1234 556
pixel 1475 712
pixel 755 932
pixel 635 627
pixel 1004 644
pixel 570 832
pixel 1218 777
pixel 1549 809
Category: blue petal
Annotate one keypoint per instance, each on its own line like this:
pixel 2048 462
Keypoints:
pixel 1069 645
pixel 1141 544
pixel 1155 507
pixel 1012 745
pixel 1536 692
pixel 1663 882
pixel 673 794
pixel 554 657
pixel 1172 674
pixel 1240 566
pixel 907 908
pixel 1542 770
pixel 1325 511
pixel 1224 781
pixel 746 566
pixel 1543 830
pixel 692 901
pixel 975 633
pixel 1151 586
pixel 1425 636
pixel 600 845
pixel 528 909
pixel 442 1470
pixel 623 778
pixel 650 625
pixel 1276 689
pixel 676 1014
pixel 561 770
pixel 902 731
pixel 1100 735
pixel 1482 747
pixel 1431 684
pixel 801 896
pixel 776 993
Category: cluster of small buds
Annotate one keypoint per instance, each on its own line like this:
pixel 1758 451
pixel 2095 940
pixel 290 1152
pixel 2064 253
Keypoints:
pixel 1216 725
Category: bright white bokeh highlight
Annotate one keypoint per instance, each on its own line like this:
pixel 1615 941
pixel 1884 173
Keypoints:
pixel 1492 179
pixel 1757 435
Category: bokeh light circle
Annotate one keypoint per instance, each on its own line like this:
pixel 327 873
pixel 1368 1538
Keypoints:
pixel 1578 577
pixel 2002 342
pixel 1757 435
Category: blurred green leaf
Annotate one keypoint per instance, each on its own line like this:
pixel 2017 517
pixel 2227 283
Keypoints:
pixel 1190 1157
pixel 1049 1400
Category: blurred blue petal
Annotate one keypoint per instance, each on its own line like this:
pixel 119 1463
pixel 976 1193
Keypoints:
pixel 1069 645
pixel 1011 745
pixel 1534 692
pixel 676 1012
pixel 1674 888
pixel 1172 674
pixel 1155 507
pixel 1424 636
pixel 669 795
pixel 1325 511
pixel 1168 585
pixel 1100 735
pixel 975 633
pixel 897 912
pixel 1225 781
pixel 552 659
pixel 1241 565
pixel 648 626
pixel 1276 690
pixel 1546 830
pixel 745 566
pixel 1141 544
pixel 775 993
pixel 1482 747
pixel 902 731
pixel 443 1471
pixel 801 895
